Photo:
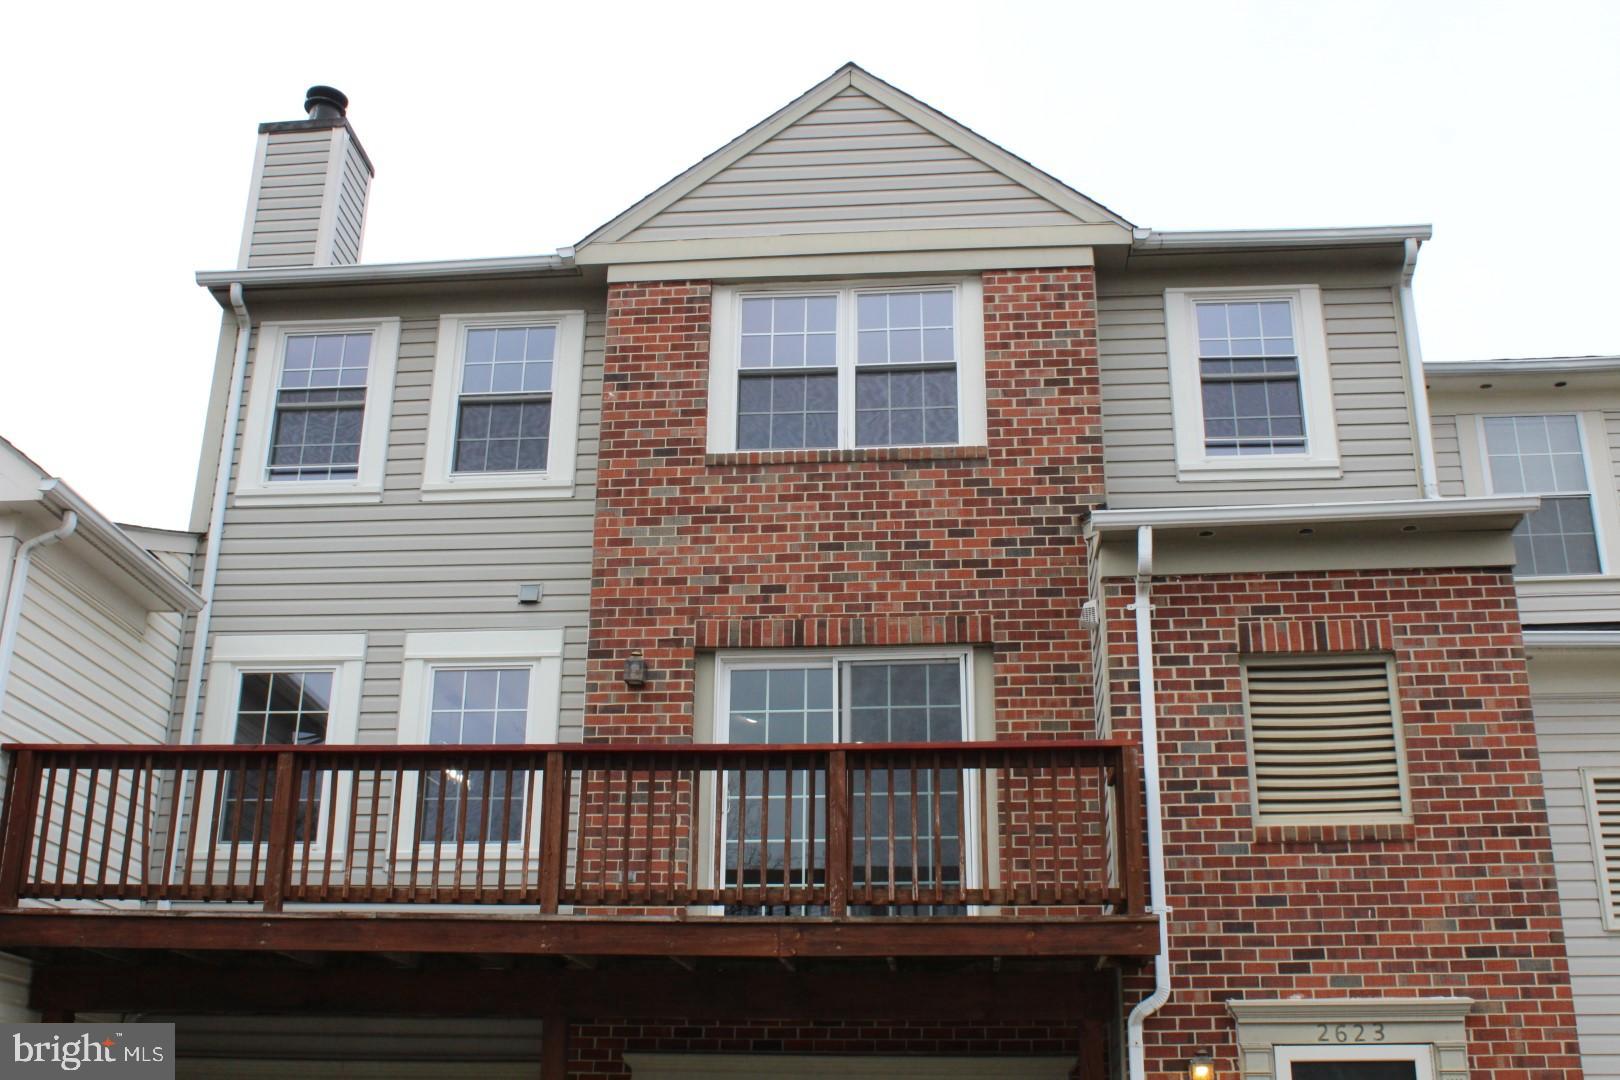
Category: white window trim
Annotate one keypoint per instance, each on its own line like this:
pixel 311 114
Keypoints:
pixel 725 345
pixel 1420 1054
pixel 1582 434
pixel 253 487
pixel 758 659
pixel 762 659
pixel 1320 461
pixel 230 656
pixel 539 650
pixel 1606 871
pixel 556 481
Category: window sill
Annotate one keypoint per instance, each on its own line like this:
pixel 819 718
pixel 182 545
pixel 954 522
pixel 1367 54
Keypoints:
pixel 1335 834
pixel 870 453
pixel 1564 579
pixel 312 495
pixel 1260 469
pixel 481 489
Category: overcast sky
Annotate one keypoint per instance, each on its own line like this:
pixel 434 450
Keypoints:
pixel 513 129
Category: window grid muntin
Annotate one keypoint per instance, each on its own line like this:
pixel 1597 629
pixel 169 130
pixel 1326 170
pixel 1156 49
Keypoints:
pixel 1545 454
pixel 303 716
pixel 1252 398
pixel 319 409
pixel 503 404
pixel 474 706
pixel 938 418
pixel 809 846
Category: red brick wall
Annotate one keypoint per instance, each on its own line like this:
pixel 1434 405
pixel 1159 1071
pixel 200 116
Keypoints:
pixel 977 545
pixel 834 547
pixel 1461 902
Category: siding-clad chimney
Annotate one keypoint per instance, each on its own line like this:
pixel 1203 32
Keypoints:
pixel 307 203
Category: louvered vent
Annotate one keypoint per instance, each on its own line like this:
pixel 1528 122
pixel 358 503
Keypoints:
pixel 1606 803
pixel 1324 738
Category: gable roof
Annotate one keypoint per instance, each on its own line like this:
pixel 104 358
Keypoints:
pixel 838 159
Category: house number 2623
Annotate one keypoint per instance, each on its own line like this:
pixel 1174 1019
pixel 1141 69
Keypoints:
pixel 1349 1033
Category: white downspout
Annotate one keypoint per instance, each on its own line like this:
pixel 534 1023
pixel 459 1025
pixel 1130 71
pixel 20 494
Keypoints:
pixel 1136 1048
pixel 190 712
pixel 1414 375
pixel 14 595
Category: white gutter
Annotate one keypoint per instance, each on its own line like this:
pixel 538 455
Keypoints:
pixel 1148 697
pixel 1396 510
pixel 116 545
pixel 1229 239
pixel 384 273
pixel 190 712
pixel 1572 639
pixel 1415 376
pixel 1547 365
pixel 14 595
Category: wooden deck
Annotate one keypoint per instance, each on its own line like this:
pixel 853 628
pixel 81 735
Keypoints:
pixel 819 852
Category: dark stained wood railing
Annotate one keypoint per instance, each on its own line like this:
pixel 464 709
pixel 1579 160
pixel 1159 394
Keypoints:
pixel 813 830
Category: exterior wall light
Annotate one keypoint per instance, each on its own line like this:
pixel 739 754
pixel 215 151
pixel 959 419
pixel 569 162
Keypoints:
pixel 635 671
pixel 1201 1066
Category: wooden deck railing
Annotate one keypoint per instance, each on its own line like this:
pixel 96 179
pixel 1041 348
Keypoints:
pixel 834 830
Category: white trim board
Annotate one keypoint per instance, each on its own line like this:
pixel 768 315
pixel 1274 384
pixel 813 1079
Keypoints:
pixel 253 486
pixel 556 481
pixel 1320 458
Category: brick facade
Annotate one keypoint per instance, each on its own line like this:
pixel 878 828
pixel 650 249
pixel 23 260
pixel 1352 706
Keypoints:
pixel 1462 902
pixel 949 546
pixel 975 545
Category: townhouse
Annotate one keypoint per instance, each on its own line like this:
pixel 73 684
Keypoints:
pixel 867 599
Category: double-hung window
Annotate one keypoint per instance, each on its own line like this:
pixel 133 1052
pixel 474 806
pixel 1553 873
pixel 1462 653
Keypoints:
pixel 276 708
pixel 1251 392
pixel 910 697
pixel 278 690
pixel 475 706
pixel 847 368
pixel 318 411
pixel 1248 370
pixel 504 409
pixel 320 407
pixel 475 689
pixel 1542 455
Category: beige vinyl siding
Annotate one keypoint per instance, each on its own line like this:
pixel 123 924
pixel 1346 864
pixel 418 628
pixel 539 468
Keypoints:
pixel 1371 403
pixel 15 976
pixel 1547 603
pixel 82 674
pixel 851 165
pixel 348 224
pixel 287 211
pixel 1577 730
pixel 1447 455
pixel 87 669
pixel 407 565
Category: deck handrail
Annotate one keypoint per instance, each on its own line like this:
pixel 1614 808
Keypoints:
pixel 825 829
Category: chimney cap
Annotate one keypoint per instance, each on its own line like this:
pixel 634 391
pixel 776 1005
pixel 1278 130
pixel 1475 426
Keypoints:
pixel 325 103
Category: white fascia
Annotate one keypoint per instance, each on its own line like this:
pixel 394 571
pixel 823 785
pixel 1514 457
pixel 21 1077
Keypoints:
pixel 1111 521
